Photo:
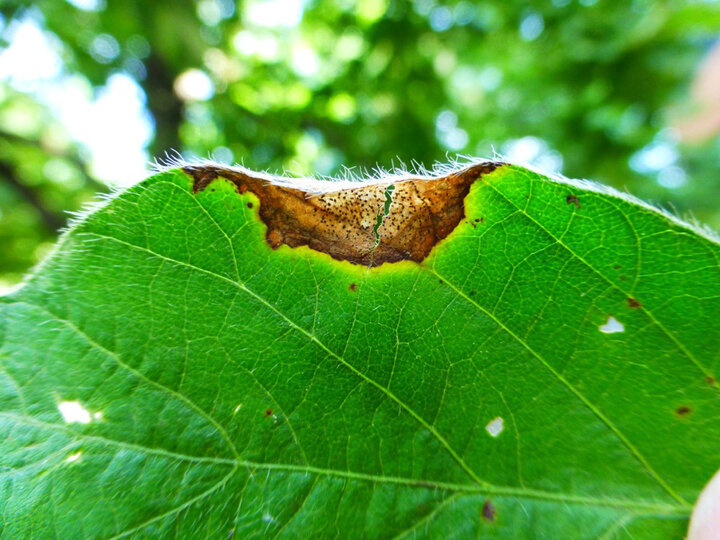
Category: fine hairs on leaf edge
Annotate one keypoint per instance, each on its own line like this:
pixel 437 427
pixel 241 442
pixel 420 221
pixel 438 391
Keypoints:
pixel 352 178
pixel 348 178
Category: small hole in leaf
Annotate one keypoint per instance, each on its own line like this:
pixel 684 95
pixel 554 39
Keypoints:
pixel 73 457
pixel 74 412
pixel 267 518
pixel 495 426
pixel 612 326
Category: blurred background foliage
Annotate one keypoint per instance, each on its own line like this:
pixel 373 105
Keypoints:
pixel 92 90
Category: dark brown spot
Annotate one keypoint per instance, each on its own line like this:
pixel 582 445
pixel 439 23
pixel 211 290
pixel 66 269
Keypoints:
pixel 683 410
pixel 633 304
pixel 711 380
pixel 488 511
pixel 344 224
pixel 573 199
pixel 249 205
pixel 616 267
pixel 352 287
pixel 440 281
pixel 472 293
pixel 268 412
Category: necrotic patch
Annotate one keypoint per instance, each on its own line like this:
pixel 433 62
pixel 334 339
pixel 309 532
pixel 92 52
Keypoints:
pixel 368 223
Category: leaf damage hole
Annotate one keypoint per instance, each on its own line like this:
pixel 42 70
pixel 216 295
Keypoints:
pixel 73 457
pixel 383 211
pixel 74 413
pixel 488 511
pixel 495 426
pixel 267 517
pixel 612 326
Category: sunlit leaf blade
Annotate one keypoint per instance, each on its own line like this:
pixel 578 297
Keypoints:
pixel 547 372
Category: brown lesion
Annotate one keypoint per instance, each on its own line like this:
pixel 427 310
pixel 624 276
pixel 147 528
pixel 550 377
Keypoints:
pixel 343 223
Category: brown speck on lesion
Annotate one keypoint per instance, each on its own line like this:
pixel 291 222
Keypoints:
pixel 488 511
pixel 355 223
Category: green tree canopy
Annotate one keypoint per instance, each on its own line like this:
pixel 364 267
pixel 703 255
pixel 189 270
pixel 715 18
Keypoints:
pixel 585 87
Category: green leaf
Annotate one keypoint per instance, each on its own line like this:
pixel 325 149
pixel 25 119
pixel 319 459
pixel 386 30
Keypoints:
pixel 548 371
